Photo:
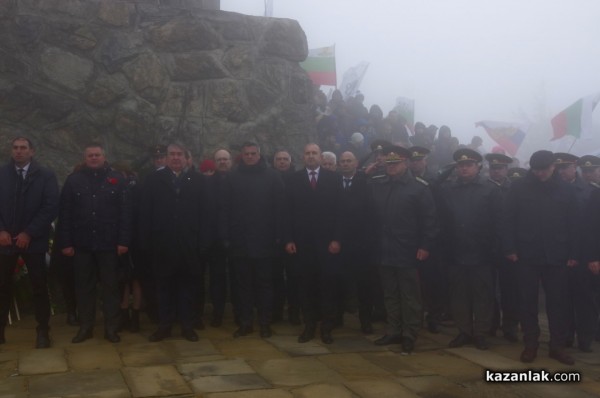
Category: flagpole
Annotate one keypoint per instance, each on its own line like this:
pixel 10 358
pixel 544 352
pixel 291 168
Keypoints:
pixel 571 147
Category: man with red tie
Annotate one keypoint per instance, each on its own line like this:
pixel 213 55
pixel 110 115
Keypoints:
pixel 313 237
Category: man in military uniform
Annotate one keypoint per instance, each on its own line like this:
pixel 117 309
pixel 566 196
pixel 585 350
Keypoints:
pixel 542 225
pixel 590 169
pixel 471 214
pixel 515 173
pixel 405 230
pixel 505 272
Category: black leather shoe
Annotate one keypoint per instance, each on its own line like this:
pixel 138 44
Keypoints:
pixel 265 332
pixel 408 345
pixel 326 337
pixel 366 327
pixel 389 339
pixel 42 340
pixel 587 348
pixel 243 330
pixel 72 320
pixel 82 335
pixel 189 335
pixel 159 335
pixel 307 334
pixel 481 343
pixel 511 337
pixel 460 340
pixel 562 357
pixel 113 337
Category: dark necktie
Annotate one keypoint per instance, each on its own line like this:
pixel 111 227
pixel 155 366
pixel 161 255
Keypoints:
pixel 313 179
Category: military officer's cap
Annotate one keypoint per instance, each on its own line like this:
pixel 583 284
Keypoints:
pixel 498 160
pixel 515 173
pixel 418 152
pixel 562 158
pixel 159 150
pixel 588 162
pixel 541 160
pixel 395 154
pixel 467 155
pixel 380 145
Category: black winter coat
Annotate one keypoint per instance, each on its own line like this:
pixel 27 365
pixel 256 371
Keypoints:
pixel 174 224
pixel 252 213
pixel 542 220
pixel 39 202
pixel 95 211
pixel 472 219
pixel 405 220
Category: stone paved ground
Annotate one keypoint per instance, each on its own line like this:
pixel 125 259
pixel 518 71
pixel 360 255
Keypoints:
pixel 219 366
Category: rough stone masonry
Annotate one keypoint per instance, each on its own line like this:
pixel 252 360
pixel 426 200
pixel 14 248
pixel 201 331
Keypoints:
pixel 131 74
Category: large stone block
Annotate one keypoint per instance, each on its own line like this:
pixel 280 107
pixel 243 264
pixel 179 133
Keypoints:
pixel 183 34
pixel 285 38
pixel 148 76
pixel 66 69
pixel 106 89
pixel 118 48
pixel 197 66
pixel 115 12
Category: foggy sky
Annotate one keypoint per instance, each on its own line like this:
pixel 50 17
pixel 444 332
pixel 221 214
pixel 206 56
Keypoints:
pixel 461 60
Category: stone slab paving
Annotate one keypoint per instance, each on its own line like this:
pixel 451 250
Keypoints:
pixel 145 354
pixel 229 383
pixel 297 372
pixel 272 393
pixel 50 360
pixel 290 345
pixel 220 366
pixel 323 390
pixel 98 384
pixel 155 381
pixel 97 357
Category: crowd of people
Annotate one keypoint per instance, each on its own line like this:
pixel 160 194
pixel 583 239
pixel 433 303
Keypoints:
pixel 374 231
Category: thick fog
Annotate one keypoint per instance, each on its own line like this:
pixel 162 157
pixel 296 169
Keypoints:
pixel 463 60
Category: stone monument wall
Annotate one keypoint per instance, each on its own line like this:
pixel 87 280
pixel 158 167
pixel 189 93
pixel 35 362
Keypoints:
pixel 131 74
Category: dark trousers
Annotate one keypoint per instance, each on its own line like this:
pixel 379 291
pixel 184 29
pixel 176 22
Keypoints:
pixel 285 286
pixel 176 297
pixel 433 287
pixel 555 282
pixel 254 279
pixel 402 294
pixel 63 267
pixel 220 273
pixel 509 296
pixel 199 294
pixel 471 298
pixel 356 285
pixel 587 301
pixel 91 267
pixel 318 277
pixel 38 277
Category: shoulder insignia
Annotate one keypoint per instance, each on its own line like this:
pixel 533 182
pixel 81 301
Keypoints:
pixel 494 182
pixel 595 184
pixel 422 181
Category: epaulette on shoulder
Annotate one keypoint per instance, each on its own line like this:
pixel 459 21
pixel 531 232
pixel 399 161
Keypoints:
pixel 495 182
pixel 377 177
pixel 595 184
pixel 422 181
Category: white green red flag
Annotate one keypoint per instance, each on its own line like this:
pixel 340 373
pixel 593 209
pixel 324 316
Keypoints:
pixel 320 66
pixel 508 135
pixel 352 79
pixel 576 120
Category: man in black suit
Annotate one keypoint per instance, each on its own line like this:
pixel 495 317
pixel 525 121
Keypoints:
pixel 173 227
pixel 28 204
pixel 358 275
pixel 313 236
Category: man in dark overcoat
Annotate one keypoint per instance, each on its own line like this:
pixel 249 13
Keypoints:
pixel 28 205
pixel 95 228
pixel 173 227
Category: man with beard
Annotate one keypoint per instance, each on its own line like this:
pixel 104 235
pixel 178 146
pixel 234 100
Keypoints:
pixel 251 224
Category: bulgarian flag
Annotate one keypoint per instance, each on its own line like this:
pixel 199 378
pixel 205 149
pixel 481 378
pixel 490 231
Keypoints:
pixel 509 136
pixel 320 66
pixel 576 120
